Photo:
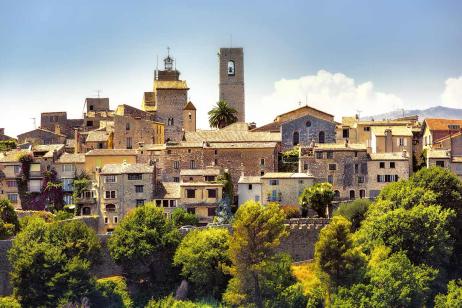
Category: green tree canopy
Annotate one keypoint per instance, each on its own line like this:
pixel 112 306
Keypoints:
pixel 181 217
pixel 453 298
pixel 354 211
pixel 257 232
pixel 318 197
pixel 9 223
pixel 143 244
pixel 202 255
pixel 337 260
pixel 222 115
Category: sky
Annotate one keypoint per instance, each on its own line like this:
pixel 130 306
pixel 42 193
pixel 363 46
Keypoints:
pixel 343 57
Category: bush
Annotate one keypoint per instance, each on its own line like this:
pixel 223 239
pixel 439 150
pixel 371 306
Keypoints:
pixel 181 217
pixel 453 298
pixel 170 302
pixel 354 211
pixel 291 211
pixel 111 292
pixel 9 302
pixel 63 215
pixel 9 223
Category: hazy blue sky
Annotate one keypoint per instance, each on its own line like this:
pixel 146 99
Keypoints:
pixel 343 55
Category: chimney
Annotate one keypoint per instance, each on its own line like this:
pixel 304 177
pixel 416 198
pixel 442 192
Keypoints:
pixel 2 131
pixel 76 141
pixel 252 125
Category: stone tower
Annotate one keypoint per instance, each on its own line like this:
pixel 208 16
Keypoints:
pixel 168 100
pixel 189 117
pixel 231 87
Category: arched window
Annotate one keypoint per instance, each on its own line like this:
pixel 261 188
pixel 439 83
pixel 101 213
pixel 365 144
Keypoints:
pixel 110 207
pixel 336 195
pixel 352 194
pixel 308 123
pixel 296 138
pixel 86 210
pixel 322 137
pixel 231 68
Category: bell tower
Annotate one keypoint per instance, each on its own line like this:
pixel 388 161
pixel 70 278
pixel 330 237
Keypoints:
pixel 231 87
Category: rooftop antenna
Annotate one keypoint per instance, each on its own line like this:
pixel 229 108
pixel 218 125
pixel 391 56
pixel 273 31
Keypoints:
pixel 98 92
pixel 168 51
pixel 157 67
pixel 358 112
pixel 35 123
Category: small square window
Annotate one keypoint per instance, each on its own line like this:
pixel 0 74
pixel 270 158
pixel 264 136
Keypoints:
pixel 382 165
pixel 332 167
pixel 392 164
pixel 190 193
pixel 250 187
pixel 330 155
pixel 139 188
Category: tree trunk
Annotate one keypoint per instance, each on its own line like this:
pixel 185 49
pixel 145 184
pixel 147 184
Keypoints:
pixel 258 299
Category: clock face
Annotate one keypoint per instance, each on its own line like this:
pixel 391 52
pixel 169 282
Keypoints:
pixel 231 68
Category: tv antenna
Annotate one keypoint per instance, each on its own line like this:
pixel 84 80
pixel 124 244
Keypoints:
pixel 358 112
pixel 35 122
pixel 98 92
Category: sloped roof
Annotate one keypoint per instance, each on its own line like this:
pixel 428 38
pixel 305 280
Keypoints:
pixel 168 190
pixel 249 180
pixel 434 153
pixel 308 108
pixel 126 168
pixel 111 152
pixel 42 130
pixel 441 124
pixel 48 148
pixel 189 106
pixel 388 156
pixel 456 135
pixel 341 146
pixel 13 156
pixel 286 175
pixel 395 130
pixel 97 136
pixel 270 127
pixel 67 158
pixel 207 171
pixel 230 135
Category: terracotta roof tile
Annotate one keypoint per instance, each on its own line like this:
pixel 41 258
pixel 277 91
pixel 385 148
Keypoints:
pixel 441 124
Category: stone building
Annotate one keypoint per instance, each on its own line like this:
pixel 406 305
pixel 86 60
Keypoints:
pixel 96 159
pixel 121 188
pixel 447 153
pixel 209 174
pixel 284 187
pixel 390 139
pixel 168 100
pixel 129 132
pixel 384 168
pixel 58 122
pixel 4 137
pixel 42 136
pixel 167 195
pixel 249 188
pixel 434 129
pixel 231 85
pixel 189 117
pixel 67 167
pixel 345 166
pixel 302 126
pixel 10 168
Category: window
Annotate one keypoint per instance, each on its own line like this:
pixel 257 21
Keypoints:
pixel 191 179
pixel 392 165
pixel 453 127
pixel 176 164
pixel 360 179
pixel 127 126
pixel 68 199
pixel 115 219
pixel 110 207
pixel 13 198
pixel 86 210
pixel 165 203
pixel 382 165
pixel 189 150
pixel 352 194
pixel 308 123
pixel 110 194
pixel 172 203
pixel 11 183
pixel 139 188
pixel 68 168
pixel 330 179
pixel 129 142
pixel 257 198
pixel 231 68
pixel 67 184
pixel 330 155
pixel 191 210
pixel 169 152
pixel 401 142
pixel 250 187
pixel 367 128
pixel 274 182
pixel 106 220
pixel 262 173
pixel 356 168
pixel 209 178
pixel 89 123
pixel 215 162
pixel 176 179
pixel 332 167
pixel 322 137
pixel 190 193
pixel 262 161
pixel 110 179
pixel 216 152
pixel 91 107
pixel 189 116
pixel 319 155
pixel 212 193
pixel 35 185
pixel 380 178
pixel 440 163
pixel 158 202
pixel 336 194
pixel 16 169
pixel 135 176
pixel 362 193
pixel 192 164
pixel 346 133
pixel 295 138
pixel 211 211
pixel 305 166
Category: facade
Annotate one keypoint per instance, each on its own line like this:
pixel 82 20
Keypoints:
pixel 302 126
pixel 445 159
pixel 121 188
pixel 249 188
pixel 96 159
pixel 384 168
pixel 168 100
pixel 284 187
pixel 231 86
pixel 167 195
pixel 4 137
pixel 129 132
pixel 42 136
pixel 189 117
pixel 391 139
pixel 434 129
pixel 10 168
pixel 67 167
pixel 342 165
pixel 201 198
pixel 58 122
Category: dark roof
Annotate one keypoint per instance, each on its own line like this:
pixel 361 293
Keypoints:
pixel 270 127
pixel 189 106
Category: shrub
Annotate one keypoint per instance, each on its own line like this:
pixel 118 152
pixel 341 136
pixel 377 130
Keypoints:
pixel 9 302
pixel 111 292
pixel 354 211
pixel 291 211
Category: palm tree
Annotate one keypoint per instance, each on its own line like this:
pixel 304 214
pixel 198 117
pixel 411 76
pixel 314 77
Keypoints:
pixel 222 115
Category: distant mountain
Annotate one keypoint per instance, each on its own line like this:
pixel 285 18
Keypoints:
pixel 433 112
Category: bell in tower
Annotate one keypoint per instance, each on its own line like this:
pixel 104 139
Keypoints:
pixel 168 61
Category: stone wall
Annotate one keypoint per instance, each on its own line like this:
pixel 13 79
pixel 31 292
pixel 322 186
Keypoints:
pixel 308 129
pixel 303 234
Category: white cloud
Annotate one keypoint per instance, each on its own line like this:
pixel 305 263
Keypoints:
pixel 452 95
pixel 334 93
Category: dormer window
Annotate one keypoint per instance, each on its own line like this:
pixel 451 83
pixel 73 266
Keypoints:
pixel 231 68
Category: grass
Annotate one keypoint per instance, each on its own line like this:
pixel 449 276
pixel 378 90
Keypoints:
pixel 305 273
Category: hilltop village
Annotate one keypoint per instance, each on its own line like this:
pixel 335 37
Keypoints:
pixel 117 158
